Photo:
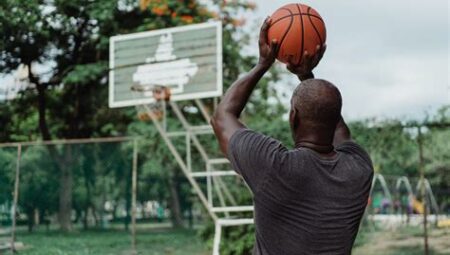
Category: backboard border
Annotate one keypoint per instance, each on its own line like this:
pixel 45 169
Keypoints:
pixel 200 95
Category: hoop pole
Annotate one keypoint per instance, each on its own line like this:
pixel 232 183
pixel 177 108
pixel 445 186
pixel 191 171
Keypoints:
pixel 15 199
pixel 217 237
pixel 181 163
pixel 188 152
pixel 209 186
pixel 227 192
pixel 220 195
pixel 186 126
pixel 203 110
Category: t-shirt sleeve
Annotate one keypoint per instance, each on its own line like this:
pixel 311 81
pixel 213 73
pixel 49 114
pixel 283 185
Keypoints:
pixel 355 149
pixel 254 156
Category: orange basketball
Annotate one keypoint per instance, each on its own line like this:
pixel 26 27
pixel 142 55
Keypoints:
pixel 297 28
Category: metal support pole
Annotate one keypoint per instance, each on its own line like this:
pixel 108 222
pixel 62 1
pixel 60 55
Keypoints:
pixel 226 192
pixel 181 163
pixel 187 127
pixel 220 195
pixel 133 196
pixel 217 237
pixel 203 110
pixel 15 199
pixel 423 190
pixel 209 186
pixel 188 152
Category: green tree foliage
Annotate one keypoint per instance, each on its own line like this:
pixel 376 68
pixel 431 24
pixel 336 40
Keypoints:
pixel 64 48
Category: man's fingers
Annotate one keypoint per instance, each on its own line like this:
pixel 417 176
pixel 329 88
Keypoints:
pixel 306 59
pixel 318 48
pixel 263 38
pixel 318 56
pixel 274 47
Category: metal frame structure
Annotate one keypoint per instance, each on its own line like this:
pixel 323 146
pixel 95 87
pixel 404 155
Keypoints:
pixel 429 192
pixel 405 181
pixel 213 177
pixel 382 181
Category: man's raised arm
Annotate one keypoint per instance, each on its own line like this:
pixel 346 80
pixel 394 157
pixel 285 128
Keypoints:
pixel 342 133
pixel 225 120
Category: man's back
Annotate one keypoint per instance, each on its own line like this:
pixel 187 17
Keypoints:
pixel 304 203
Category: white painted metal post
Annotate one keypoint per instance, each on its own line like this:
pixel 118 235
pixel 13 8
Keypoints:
pixel 217 237
pixel 180 162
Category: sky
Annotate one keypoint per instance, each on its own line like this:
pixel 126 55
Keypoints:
pixel 390 59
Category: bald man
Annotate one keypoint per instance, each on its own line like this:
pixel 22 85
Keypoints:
pixel 310 199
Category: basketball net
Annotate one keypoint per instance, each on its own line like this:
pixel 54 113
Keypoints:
pixel 156 110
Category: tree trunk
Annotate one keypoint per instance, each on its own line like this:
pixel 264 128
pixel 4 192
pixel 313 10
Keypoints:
pixel 174 204
pixel 30 222
pixel 87 202
pixel 85 218
pixel 65 192
pixel 65 178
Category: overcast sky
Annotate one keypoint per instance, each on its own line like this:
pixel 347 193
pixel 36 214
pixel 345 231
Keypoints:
pixel 388 58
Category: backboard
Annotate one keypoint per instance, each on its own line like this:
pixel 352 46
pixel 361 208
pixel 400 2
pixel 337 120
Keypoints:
pixel 187 59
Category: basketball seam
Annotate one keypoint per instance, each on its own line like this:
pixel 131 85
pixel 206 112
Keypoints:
pixel 287 30
pixel 296 14
pixel 303 33
pixel 317 31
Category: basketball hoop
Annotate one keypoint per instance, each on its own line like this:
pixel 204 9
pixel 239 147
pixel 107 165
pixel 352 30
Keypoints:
pixel 161 93
pixel 156 110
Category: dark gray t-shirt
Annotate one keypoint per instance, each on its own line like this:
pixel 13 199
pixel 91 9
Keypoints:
pixel 304 204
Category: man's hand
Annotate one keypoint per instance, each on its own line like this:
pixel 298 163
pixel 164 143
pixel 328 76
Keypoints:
pixel 268 51
pixel 304 69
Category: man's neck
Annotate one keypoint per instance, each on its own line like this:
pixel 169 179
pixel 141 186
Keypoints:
pixel 316 142
pixel 320 148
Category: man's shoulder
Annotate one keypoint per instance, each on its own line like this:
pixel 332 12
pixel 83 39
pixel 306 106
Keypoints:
pixel 248 137
pixel 353 148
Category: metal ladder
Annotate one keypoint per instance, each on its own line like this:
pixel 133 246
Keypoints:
pixel 213 176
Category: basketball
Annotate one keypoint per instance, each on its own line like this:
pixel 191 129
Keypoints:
pixel 297 28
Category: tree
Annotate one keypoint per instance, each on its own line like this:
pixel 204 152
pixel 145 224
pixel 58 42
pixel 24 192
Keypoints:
pixel 64 47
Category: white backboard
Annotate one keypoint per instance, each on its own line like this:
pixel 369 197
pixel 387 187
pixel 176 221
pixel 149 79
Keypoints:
pixel 187 59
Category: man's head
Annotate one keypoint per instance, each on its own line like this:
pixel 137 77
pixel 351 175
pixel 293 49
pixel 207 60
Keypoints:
pixel 315 111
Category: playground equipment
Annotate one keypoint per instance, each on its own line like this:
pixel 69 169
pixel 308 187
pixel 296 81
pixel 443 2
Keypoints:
pixel 387 194
pixel 413 202
pixel 196 51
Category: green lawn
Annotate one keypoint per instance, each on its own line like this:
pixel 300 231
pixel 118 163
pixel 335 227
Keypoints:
pixel 112 242
pixel 165 241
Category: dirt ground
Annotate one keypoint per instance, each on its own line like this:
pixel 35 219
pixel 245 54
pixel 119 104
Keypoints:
pixel 405 241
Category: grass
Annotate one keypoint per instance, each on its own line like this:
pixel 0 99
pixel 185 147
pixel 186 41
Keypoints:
pixel 165 241
pixel 171 242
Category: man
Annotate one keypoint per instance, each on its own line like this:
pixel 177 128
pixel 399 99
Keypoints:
pixel 308 200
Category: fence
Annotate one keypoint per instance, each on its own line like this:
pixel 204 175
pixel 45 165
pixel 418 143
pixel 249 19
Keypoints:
pixel 83 184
